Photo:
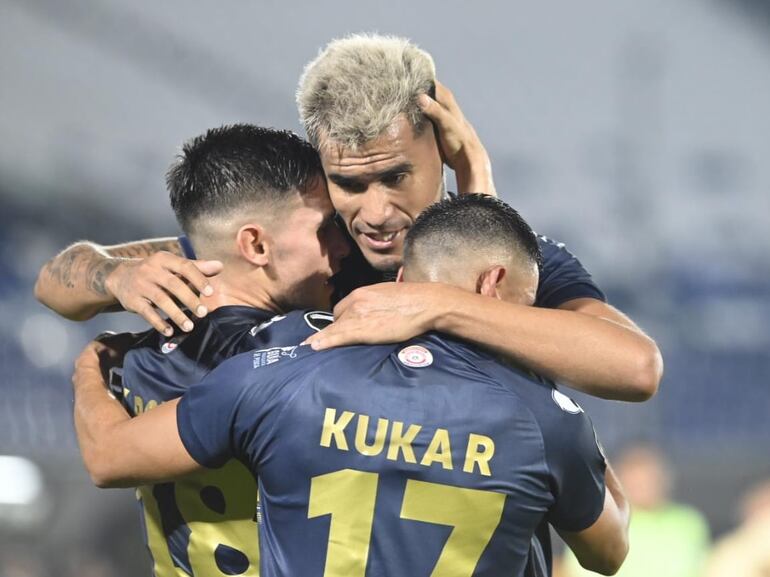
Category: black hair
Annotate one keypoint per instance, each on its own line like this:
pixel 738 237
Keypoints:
pixel 472 220
pixel 218 171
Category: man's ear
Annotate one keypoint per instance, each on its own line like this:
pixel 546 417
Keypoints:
pixel 252 245
pixel 488 283
pixel 400 275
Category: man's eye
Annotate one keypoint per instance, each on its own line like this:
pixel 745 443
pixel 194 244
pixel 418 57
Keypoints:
pixel 352 186
pixel 394 179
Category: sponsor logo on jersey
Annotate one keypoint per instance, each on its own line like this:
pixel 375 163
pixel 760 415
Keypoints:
pixel 265 357
pixel 318 320
pixel 415 356
pixel 565 403
pixel 266 324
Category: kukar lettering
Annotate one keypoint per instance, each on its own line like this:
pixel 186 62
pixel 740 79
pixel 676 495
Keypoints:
pixel 401 442
pixel 334 429
pixel 397 441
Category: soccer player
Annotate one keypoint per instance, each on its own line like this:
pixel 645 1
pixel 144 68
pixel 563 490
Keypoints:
pixel 428 457
pixel 254 199
pixel 365 105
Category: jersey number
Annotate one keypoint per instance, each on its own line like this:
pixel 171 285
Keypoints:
pixel 231 527
pixel 349 496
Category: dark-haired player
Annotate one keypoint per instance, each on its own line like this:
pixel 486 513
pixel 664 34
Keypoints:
pixel 364 105
pixel 427 457
pixel 254 199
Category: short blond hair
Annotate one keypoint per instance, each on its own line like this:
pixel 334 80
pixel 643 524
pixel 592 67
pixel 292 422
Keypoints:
pixel 359 85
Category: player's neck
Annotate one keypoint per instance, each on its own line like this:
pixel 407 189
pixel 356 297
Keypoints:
pixel 228 293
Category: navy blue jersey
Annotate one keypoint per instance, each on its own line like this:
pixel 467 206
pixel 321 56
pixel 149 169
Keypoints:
pixel 205 524
pixel 562 276
pixel 410 459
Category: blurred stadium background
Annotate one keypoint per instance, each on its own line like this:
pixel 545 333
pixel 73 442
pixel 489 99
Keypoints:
pixel 636 132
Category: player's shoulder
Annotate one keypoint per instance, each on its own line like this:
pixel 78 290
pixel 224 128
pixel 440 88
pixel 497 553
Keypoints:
pixel 439 352
pixel 228 331
pixel 214 332
pixel 469 362
pixel 290 328
pixel 538 395
pixel 562 276
pixel 546 404
pixel 304 321
pixel 552 249
pixel 264 367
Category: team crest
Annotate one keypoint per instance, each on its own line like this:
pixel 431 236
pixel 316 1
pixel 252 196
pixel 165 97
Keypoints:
pixel 171 344
pixel 415 356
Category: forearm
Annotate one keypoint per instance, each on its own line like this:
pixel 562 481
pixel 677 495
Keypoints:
pixel 74 283
pixel 615 490
pixel 594 355
pixel 97 415
pixel 120 451
pixel 474 174
pixel 603 547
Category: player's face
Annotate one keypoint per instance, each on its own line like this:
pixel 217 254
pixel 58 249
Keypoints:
pixel 307 249
pixel 380 188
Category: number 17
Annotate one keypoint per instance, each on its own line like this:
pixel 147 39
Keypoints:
pixel 349 496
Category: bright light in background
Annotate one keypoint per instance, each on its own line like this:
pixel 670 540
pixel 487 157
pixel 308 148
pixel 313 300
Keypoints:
pixel 45 340
pixel 24 502
pixel 21 482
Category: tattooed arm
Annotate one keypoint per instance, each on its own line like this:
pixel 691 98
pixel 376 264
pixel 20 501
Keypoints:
pixel 86 279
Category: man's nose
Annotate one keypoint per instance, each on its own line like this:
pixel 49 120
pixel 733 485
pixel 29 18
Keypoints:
pixel 375 208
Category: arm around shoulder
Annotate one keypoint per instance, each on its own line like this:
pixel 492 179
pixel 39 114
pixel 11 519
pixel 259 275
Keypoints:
pixel 75 283
pixel 589 510
pixel 86 279
pixel 603 546
pixel 585 343
pixel 634 353
pixel 119 451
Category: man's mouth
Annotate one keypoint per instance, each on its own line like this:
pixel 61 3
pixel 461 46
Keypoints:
pixel 381 240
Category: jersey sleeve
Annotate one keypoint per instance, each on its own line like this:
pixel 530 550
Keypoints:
pixel 187 247
pixel 575 463
pixel 562 277
pixel 207 412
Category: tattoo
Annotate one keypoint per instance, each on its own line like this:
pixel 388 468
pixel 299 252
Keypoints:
pixel 62 269
pixel 97 273
pixel 144 249
pixel 87 266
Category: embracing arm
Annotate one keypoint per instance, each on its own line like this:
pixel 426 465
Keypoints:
pixel 585 344
pixel 603 546
pixel 119 451
pixel 86 279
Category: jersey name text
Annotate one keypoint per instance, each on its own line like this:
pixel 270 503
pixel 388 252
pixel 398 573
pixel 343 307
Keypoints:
pixel 395 439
